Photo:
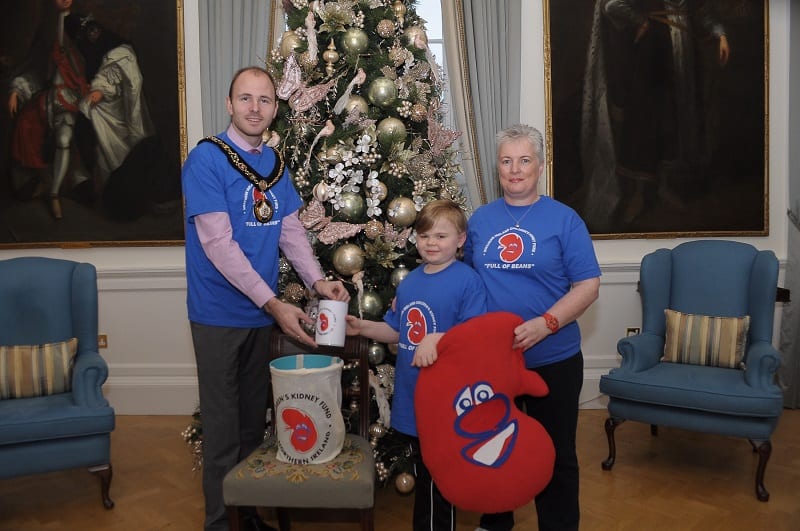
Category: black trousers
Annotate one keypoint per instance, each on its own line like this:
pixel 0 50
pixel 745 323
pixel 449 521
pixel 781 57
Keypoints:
pixel 432 512
pixel 557 505
pixel 233 380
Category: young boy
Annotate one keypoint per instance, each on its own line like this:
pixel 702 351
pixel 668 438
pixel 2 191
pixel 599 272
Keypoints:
pixel 437 295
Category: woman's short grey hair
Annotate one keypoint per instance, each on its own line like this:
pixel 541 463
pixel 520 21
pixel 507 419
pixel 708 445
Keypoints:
pixel 518 131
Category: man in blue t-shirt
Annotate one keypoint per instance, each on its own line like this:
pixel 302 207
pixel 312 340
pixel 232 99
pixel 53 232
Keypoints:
pixel 241 210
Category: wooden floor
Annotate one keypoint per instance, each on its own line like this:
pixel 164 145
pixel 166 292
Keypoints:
pixel 678 480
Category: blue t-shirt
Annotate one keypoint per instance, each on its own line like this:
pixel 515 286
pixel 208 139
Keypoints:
pixel 427 303
pixel 212 184
pixel 527 269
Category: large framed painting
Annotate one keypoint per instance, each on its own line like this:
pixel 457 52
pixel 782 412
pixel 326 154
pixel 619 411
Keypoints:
pixel 657 115
pixel 93 123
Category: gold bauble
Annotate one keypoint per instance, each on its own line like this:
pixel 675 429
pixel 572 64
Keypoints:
pixel 373 229
pixel 401 212
pixel 382 191
pixel 330 55
pixel 371 305
pixel 348 259
pixel 392 348
pixel 385 28
pixel 399 10
pixel 377 430
pixel 376 355
pixel 320 192
pixel 391 130
pixel 351 206
pixel 332 155
pixel 404 483
pixel 382 92
pixel 354 41
pixel 416 37
pixel 356 102
pixel 289 43
pixel 398 274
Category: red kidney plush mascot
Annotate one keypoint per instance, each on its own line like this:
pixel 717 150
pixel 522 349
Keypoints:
pixel 483 453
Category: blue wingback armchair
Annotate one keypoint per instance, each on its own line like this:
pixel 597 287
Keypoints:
pixel 46 301
pixel 711 278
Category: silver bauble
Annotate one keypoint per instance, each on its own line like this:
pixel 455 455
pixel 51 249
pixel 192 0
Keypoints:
pixel 356 103
pixel 348 259
pixel 398 274
pixel 382 92
pixel 351 206
pixel 404 483
pixel 390 131
pixel 289 43
pixel 401 212
pixel 376 353
pixel 354 41
pixel 371 305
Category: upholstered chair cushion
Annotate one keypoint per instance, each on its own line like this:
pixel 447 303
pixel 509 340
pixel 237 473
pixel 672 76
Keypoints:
pixel 262 478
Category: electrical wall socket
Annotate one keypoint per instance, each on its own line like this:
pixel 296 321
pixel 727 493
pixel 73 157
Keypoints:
pixel 102 341
pixel 632 331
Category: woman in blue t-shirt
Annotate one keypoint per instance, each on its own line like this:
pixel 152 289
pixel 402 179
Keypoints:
pixel 537 260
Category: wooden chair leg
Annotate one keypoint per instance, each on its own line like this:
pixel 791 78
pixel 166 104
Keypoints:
pixel 233 517
pixel 104 472
pixel 611 425
pixel 284 522
pixel 764 452
pixel 367 520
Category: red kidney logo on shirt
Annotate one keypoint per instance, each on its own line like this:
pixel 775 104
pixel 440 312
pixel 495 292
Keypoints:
pixel 323 322
pixel 417 326
pixel 511 247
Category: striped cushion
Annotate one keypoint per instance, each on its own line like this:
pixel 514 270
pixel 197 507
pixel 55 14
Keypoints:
pixel 36 370
pixel 705 340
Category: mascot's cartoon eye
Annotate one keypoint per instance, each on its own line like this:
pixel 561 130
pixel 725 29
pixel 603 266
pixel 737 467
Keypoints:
pixel 470 397
pixel 483 392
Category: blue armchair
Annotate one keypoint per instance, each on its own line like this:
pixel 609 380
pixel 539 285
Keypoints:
pixel 702 278
pixel 46 301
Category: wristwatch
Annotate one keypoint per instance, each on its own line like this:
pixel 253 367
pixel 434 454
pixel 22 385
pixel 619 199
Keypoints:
pixel 551 322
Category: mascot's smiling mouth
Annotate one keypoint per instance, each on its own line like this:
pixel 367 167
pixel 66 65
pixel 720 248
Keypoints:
pixel 494 451
pixel 485 417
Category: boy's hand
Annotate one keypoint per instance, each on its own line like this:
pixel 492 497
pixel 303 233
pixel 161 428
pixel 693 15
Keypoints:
pixel 426 353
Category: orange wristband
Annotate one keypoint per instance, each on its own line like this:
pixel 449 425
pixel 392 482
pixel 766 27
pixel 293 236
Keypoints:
pixel 551 322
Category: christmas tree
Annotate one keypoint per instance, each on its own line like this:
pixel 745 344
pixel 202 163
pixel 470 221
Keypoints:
pixel 360 128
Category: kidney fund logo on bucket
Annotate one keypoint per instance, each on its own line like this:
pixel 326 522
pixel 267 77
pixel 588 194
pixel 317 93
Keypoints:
pixel 308 398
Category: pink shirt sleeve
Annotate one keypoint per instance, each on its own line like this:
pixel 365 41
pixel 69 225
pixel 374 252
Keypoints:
pixel 295 246
pixel 215 234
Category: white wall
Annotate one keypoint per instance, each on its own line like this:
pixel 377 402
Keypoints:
pixel 143 290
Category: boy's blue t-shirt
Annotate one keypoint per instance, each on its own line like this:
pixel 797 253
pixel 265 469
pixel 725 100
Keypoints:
pixel 427 303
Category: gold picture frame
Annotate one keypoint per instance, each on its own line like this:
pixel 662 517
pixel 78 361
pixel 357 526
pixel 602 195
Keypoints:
pixel 133 194
pixel 623 147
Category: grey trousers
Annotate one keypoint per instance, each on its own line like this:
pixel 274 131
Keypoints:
pixel 233 379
